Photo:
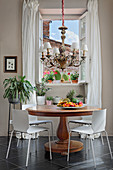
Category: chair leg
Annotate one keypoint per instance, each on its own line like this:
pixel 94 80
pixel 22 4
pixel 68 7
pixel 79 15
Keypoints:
pixel 9 144
pixel 102 138
pixel 50 145
pixel 52 131
pixel 93 153
pixel 18 142
pixel 68 147
pixel 89 144
pixel 28 150
pixel 108 144
pixel 86 145
pixel 35 142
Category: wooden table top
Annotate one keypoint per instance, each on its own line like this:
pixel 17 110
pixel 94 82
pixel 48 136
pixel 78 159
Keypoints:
pixel 54 111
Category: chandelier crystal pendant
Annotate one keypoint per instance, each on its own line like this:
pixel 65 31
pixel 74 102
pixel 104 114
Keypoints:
pixel 59 59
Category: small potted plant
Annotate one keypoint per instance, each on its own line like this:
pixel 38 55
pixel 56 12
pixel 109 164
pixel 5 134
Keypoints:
pixel 71 95
pixel 74 77
pixel 49 76
pixel 57 76
pixel 41 90
pixel 49 100
pixel 66 77
pixel 80 98
pixel 17 90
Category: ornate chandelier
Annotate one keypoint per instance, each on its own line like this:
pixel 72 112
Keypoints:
pixel 59 59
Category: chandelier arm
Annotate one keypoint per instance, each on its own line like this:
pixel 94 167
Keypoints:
pixel 77 65
pixel 49 66
pixel 52 64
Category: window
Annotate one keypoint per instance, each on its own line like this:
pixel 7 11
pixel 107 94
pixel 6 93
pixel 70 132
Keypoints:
pixel 52 34
pixel 76 32
pixel 84 68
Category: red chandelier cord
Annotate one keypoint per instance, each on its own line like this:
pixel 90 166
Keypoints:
pixel 62 12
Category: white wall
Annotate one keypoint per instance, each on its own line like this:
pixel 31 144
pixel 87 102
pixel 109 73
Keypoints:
pixel 106 27
pixel 10 44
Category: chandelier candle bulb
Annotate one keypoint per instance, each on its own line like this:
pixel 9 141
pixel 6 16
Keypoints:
pixel 42 54
pixel 47 51
pixel 74 52
pixel 42 51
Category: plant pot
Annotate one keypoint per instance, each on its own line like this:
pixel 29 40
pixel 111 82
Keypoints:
pixel 80 99
pixel 48 102
pixel 57 81
pixel 49 81
pixel 74 81
pixel 62 80
pixel 14 101
pixel 56 99
pixel 41 100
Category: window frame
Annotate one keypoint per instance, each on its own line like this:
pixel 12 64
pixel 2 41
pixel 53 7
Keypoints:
pixel 85 38
pixel 40 66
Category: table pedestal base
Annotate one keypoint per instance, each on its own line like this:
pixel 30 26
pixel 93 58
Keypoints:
pixel 62 147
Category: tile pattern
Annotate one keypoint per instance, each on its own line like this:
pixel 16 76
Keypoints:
pixel 40 159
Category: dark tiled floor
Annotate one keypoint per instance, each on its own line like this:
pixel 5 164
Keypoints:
pixel 40 160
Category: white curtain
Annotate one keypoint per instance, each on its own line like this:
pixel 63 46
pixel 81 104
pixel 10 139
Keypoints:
pixel 94 47
pixel 29 16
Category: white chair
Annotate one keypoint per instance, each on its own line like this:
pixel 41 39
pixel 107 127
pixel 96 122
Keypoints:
pixel 86 120
pixel 21 124
pixel 33 119
pixel 97 126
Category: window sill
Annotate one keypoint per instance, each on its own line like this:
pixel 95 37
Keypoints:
pixel 66 84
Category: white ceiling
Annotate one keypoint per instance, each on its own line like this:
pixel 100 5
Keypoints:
pixel 51 9
pixel 75 11
pixel 55 4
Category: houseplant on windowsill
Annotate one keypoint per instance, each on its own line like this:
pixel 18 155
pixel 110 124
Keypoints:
pixel 49 76
pixel 65 77
pixel 17 90
pixel 74 77
pixel 49 100
pixel 41 90
pixel 57 76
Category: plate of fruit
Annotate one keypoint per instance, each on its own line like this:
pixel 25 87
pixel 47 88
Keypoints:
pixel 67 104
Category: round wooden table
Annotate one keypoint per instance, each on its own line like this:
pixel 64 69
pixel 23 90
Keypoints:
pixel 61 145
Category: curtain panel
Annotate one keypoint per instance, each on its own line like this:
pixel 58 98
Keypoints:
pixel 29 32
pixel 94 46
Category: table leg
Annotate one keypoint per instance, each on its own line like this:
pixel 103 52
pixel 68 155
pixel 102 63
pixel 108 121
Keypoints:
pixel 61 145
pixel 63 131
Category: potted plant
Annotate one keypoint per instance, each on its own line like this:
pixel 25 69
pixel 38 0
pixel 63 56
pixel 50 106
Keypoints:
pixel 80 98
pixel 41 90
pixel 57 76
pixel 71 94
pixel 17 90
pixel 49 76
pixel 74 77
pixel 66 77
pixel 49 100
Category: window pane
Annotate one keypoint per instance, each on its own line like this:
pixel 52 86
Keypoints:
pixel 52 34
pixel 72 33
